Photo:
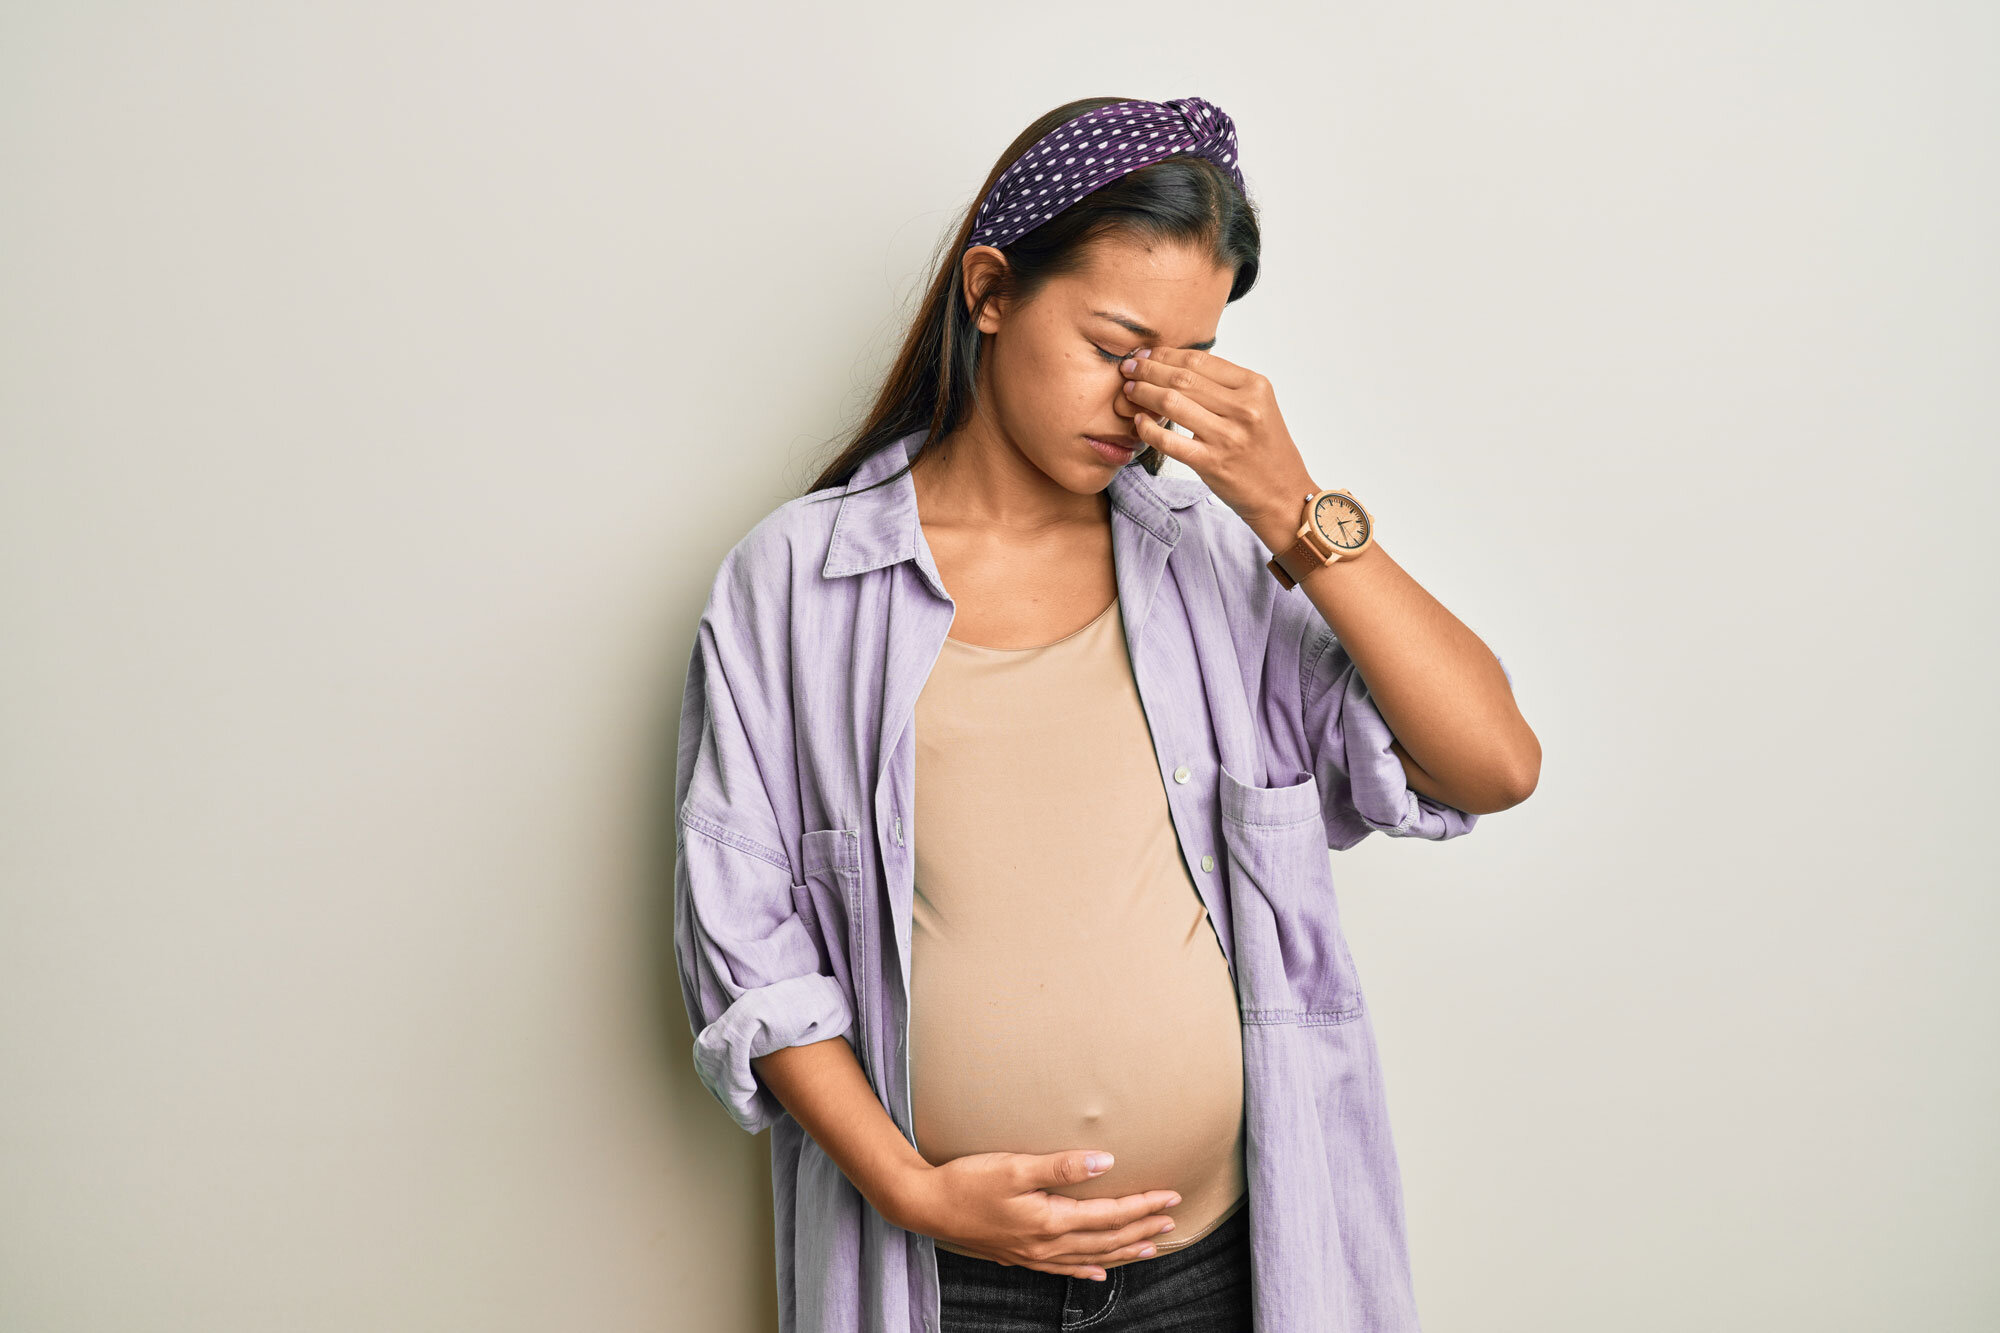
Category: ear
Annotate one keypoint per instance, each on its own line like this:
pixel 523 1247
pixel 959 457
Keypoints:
pixel 980 267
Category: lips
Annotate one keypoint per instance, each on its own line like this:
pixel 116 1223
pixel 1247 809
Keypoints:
pixel 1121 441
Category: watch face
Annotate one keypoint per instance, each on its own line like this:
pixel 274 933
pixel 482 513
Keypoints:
pixel 1341 522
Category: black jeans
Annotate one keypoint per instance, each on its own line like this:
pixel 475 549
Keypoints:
pixel 1202 1288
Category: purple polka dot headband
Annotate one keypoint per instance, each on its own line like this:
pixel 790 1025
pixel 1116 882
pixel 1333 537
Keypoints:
pixel 1094 149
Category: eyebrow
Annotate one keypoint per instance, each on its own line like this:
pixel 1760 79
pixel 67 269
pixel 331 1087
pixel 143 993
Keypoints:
pixel 1131 325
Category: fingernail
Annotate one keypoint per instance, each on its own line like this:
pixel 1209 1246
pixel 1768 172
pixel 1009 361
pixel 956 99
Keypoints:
pixel 1144 351
pixel 1129 364
pixel 1098 1161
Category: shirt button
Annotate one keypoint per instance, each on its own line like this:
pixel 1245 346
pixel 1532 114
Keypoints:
pixel 1181 773
pixel 1208 863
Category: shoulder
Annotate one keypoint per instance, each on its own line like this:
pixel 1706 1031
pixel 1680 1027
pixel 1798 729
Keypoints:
pixel 766 598
pixel 765 564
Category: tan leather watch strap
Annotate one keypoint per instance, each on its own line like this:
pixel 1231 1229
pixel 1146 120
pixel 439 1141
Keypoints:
pixel 1301 556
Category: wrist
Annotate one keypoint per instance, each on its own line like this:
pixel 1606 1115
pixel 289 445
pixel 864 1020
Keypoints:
pixel 906 1195
pixel 1276 521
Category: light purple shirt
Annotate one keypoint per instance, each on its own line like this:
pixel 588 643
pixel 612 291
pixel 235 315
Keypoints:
pixel 793 876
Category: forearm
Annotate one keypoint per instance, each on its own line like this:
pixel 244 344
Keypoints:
pixel 823 1087
pixel 1459 733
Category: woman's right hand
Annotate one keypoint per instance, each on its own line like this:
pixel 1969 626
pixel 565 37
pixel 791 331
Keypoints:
pixel 997 1205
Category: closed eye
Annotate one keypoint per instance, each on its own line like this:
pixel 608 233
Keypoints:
pixel 1111 356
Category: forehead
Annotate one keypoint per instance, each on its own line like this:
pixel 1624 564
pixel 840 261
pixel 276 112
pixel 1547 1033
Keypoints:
pixel 1165 292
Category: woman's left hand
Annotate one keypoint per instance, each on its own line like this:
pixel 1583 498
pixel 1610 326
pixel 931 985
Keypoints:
pixel 1241 447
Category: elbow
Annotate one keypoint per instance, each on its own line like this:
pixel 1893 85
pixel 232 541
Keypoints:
pixel 1509 781
pixel 796 1011
pixel 1521 773
pixel 1513 795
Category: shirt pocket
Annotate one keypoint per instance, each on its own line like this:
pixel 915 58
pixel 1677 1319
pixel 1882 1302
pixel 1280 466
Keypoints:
pixel 1293 965
pixel 830 902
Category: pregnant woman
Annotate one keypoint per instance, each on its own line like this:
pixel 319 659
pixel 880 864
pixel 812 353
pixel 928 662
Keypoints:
pixel 1008 770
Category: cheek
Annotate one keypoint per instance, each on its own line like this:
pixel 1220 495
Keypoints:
pixel 1057 385
pixel 1089 378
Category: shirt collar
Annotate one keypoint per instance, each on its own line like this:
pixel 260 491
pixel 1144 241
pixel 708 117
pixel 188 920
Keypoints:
pixel 878 527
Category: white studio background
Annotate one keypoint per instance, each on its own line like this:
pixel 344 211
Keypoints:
pixel 380 385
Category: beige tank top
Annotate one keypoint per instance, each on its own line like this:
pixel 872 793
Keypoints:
pixel 1067 987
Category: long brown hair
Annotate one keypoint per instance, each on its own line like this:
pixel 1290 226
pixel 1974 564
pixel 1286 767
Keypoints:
pixel 931 386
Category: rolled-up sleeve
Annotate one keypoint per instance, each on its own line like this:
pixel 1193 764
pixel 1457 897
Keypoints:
pixel 1363 786
pixel 749 965
pixel 752 967
pixel 1314 709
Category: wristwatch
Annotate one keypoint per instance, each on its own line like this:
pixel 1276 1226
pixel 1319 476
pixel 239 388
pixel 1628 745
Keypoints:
pixel 1333 527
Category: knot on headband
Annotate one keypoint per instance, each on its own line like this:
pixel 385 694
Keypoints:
pixel 1094 149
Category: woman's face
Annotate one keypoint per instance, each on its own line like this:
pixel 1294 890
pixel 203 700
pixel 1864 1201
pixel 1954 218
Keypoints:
pixel 1049 379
